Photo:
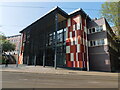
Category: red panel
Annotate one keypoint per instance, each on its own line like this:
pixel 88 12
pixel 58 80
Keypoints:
pixel 68 34
pixel 78 32
pixel 67 23
pixel 81 64
pixel 67 56
pixel 73 33
pixel 71 28
pixel 82 48
pixel 79 40
pixel 80 56
pixel 81 33
pixel 83 21
pixel 73 49
pixel 68 42
pixel 69 63
pixel 73 21
pixel 75 56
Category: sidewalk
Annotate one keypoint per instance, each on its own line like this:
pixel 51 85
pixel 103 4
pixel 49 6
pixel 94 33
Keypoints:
pixel 48 69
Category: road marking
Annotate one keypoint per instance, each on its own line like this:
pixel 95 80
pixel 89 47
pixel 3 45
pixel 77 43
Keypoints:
pixel 23 79
pixel 93 82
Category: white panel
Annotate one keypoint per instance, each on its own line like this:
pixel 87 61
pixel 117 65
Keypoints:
pixel 76 56
pixel 77 19
pixel 78 26
pixel 85 29
pixel 70 34
pixel 76 40
pixel 67 49
pixel 72 56
pixel 78 63
pixel 75 33
pixel 73 63
pixel 69 23
pixel 78 47
pixel 88 43
pixel 104 27
pixel 105 41
pixel 71 41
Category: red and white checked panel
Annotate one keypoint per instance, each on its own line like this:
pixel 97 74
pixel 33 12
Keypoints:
pixel 20 60
pixel 76 42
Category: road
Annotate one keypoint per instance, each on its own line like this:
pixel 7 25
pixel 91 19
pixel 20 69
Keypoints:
pixel 46 80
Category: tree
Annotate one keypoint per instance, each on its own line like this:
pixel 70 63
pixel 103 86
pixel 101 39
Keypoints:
pixel 6 45
pixel 111 11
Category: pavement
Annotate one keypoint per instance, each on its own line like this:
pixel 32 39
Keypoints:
pixel 52 70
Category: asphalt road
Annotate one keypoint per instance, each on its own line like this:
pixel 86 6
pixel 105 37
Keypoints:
pixel 40 80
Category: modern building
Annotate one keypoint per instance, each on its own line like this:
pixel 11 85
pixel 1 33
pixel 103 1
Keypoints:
pixel 68 40
pixel 103 51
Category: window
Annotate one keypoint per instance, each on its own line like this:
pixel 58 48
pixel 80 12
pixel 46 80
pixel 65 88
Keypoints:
pixel 97 42
pixel 100 28
pixel 97 29
pixel 102 41
pixel 91 44
pixel 93 30
pixel 94 44
pixel 90 31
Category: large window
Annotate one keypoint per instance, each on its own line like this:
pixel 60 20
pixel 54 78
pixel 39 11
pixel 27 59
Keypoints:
pixel 95 29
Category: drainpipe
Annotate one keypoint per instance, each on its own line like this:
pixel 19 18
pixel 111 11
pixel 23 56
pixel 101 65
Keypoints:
pixel 35 60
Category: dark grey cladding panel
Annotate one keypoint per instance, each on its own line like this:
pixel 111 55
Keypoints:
pixel 98 62
pixel 97 35
pixel 97 22
pixel 98 49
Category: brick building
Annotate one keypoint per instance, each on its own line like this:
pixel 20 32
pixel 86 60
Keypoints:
pixel 16 39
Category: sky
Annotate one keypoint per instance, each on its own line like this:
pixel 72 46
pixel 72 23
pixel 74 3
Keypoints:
pixel 15 16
